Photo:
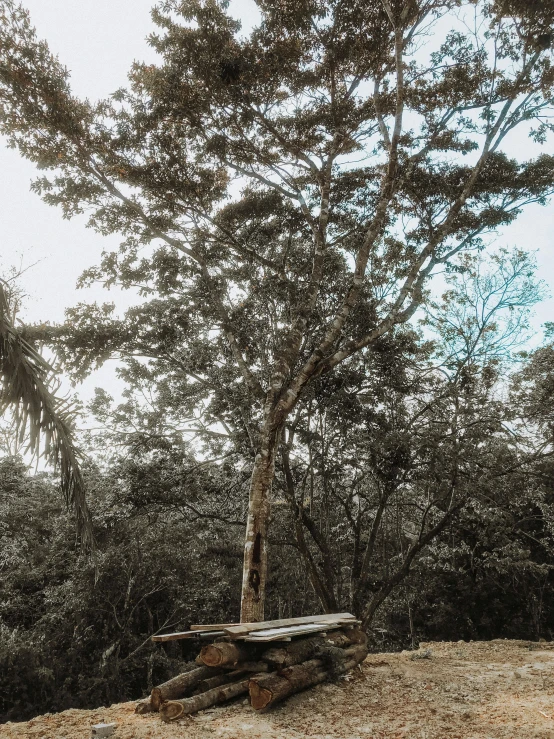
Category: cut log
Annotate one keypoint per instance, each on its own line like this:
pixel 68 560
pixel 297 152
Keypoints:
pixel 173 710
pixel 294 653
pixel 217 680
pixel 246 628
pixel 250 666
pixel 354 636
pixel 223 653
pixel 178 686
pixel 267 690
pixel 337 639
pixel 301 650
pixel 144 706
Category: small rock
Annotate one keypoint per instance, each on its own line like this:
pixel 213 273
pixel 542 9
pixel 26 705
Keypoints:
pixel 102 730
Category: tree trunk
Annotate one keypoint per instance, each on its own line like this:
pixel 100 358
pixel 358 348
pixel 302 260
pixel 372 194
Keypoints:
pixel 173 710
pixel 224 653
pixel 267 690
pixel 255 546
pixel 179 685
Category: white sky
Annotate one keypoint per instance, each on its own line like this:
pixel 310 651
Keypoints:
pixel 98 40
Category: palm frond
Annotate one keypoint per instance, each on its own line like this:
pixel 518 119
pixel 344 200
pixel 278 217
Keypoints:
pixel 25 379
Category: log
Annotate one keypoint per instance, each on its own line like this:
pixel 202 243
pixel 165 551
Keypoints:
pixel 214 682
pixel 144 706
pixel 250 667
pixel 293 653
pixel 178 686
pixel 301 650
pixel 267 690
pixel 337 639
pixel 246 628
pixel 173 710
pixel 354 636
pixel 224 653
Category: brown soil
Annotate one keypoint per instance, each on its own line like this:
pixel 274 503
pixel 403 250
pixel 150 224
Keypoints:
pixel 454 690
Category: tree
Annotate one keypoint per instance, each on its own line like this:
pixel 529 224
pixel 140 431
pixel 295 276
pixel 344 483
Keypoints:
pixel 393 448
pixel 25 386
pixel 285 196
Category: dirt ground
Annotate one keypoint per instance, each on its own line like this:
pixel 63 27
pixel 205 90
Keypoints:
pixel 447 690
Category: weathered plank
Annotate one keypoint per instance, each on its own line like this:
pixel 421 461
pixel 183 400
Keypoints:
pixel 186 635
pixel 277 634
pixel 243 629
pixel 212 627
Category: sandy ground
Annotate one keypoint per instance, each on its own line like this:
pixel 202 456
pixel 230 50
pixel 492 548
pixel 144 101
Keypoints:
pixel 477 690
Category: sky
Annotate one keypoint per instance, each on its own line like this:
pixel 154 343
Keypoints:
pixel 98 40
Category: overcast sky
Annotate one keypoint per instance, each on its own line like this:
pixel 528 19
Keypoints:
pixel 98 40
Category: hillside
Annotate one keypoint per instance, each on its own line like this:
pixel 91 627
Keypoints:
pixel 455 690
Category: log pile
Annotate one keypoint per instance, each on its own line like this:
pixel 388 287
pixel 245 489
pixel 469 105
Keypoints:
pixel 303 652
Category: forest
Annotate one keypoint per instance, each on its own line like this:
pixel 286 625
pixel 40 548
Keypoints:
pixel 334 397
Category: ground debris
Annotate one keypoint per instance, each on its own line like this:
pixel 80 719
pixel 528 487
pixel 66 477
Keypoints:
pixel 466 690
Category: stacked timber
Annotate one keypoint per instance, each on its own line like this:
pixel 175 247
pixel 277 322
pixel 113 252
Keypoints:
pixel 269 660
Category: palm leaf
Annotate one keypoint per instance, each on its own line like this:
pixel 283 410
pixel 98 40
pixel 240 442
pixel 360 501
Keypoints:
pixel 25 379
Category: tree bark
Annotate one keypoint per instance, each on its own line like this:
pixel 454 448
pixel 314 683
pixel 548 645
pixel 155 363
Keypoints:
pixel 224 653
pixel 179 685
pixel 254 574
pixel 294 653
pixel 355 636
pixel 267 690
pixel 173 710
pixel 144 706
pixel 301 650
pixel 217 680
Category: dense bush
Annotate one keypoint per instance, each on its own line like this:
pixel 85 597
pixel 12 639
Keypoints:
pixel 76 632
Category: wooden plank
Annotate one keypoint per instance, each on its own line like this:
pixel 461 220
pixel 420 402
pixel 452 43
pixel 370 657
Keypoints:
pixel 186 635
pixel 244 629
pixel 291 630
pixel 280 634
pixel 212 627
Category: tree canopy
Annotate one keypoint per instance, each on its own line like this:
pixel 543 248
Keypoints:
pixel 284 196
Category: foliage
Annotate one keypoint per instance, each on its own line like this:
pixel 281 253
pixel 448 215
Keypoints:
pixel 25 380
pixel 77 632
pixel 283 196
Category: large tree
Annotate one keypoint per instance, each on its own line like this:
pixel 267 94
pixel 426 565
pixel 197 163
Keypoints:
pixel 286 195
